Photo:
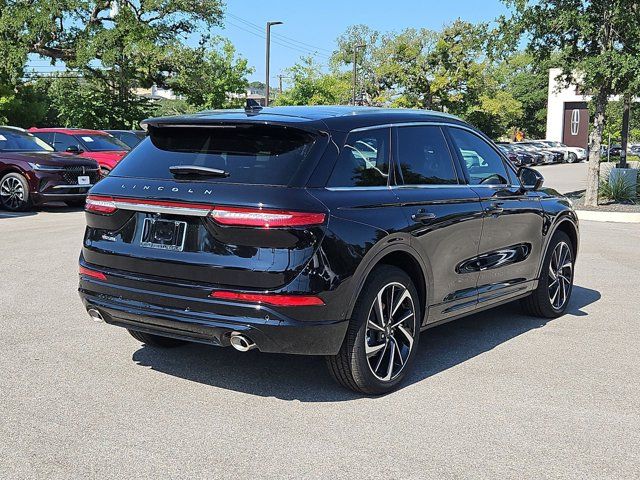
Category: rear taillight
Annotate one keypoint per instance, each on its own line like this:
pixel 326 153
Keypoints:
pixel 91 273
pixel 264 218
pixel 278 300
pixel 228 216
pixel 102 205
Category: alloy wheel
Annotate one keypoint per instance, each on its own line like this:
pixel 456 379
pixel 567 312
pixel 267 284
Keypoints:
pixel 12 193
pixel 560 275
pixel 391 326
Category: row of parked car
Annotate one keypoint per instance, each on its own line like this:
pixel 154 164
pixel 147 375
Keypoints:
pixel 44 165
pixel 540 152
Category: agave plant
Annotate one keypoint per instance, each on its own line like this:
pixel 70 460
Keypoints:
pixel 618 190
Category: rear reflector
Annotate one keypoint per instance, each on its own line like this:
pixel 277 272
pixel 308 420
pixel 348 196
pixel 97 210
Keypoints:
pixel 92 273
pixel 269 298
pixel 102 205
pixel 257 217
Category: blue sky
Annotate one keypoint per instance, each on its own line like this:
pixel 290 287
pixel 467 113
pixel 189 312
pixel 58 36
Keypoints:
pixel 319 23
pixel 313 26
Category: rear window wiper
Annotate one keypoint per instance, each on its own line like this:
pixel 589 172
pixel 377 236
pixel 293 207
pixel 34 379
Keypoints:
pixel 197 170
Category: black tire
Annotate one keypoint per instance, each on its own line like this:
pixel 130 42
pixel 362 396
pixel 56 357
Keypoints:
pixel 350 367
pixel 540 303
pixel 14 192
pixel 573 158
pixel 75 203
pixel 156 340
pixel 104 172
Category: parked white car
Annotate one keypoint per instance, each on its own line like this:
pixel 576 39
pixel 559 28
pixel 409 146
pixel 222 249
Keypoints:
pixel 571 154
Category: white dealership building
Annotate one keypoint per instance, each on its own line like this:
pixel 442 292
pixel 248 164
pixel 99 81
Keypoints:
pixel 567 112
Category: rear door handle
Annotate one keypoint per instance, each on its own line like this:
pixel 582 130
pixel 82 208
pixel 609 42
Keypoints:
pixel 423 216
pixel 494 209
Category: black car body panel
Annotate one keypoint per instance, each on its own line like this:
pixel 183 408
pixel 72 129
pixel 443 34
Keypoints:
pixel 467 244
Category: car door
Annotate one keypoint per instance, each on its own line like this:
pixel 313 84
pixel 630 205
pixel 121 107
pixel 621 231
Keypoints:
pixel 512 232
pixel 444 216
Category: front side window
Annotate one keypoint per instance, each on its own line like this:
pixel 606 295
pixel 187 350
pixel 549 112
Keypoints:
pixel 18 141
pixel 483 164
pixel 363 161
pixel 424 157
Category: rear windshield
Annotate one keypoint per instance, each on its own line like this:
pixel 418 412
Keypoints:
pixel 102 143
pixel 251 154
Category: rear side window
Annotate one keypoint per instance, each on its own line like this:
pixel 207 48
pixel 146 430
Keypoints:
pixel 484 165
pixel 363 161
pixel 250 154
pixel 424 157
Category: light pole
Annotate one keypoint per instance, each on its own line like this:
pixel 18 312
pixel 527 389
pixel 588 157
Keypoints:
pixel 355 67
pixel 269 24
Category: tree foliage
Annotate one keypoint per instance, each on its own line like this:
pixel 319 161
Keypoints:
pixel 114 47
pixel 312 87
pixel 448 70
pixel 206 75
pixel 596 44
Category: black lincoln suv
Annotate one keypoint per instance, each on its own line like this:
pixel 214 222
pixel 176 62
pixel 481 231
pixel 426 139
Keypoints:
pixel 332 231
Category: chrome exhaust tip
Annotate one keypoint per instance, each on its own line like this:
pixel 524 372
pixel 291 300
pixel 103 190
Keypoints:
pixel 241 343
pixel 95 315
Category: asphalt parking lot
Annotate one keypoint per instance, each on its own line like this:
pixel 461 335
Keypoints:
pixel 496 395
pixel 565 177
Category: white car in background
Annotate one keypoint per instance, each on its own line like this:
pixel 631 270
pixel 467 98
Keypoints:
pixel 571 154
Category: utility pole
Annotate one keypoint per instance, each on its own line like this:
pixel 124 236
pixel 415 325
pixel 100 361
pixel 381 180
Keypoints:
pixel 355 70
pixel 266 94
pixel 280 83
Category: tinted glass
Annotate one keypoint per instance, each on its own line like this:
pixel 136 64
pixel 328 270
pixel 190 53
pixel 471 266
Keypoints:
pixel 364 160
pixel 424 158
pixel 47 137
pixel 101 143
pixel 63 141
pixel 130 138
pixel 253 154
pixel 483 163
pixel 17 141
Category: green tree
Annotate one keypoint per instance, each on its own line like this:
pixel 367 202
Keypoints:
pixel 116 46
pixel 595 43
pixel 206 75
pixel 313 87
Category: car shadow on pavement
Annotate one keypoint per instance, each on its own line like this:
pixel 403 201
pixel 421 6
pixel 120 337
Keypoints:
pixel 295 377
pixel 49 208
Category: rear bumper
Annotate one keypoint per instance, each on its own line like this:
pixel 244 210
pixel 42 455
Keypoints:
pixel 197 318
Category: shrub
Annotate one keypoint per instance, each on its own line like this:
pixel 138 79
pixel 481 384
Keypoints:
pixel 619 190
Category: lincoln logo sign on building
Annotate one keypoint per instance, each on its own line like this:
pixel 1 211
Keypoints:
pixel 575 122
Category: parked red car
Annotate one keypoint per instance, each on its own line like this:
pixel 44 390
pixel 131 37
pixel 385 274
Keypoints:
pixel 95 144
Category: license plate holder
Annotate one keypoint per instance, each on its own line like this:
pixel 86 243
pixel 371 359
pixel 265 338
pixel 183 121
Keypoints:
pixel 84 180
pixel 163 234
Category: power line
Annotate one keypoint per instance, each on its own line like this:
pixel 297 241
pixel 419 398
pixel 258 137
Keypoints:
pixel 282 43
pixel 281 36
pixel 278 41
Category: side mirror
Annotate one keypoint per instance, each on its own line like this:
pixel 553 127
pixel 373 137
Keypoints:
pixel 531 179
pixel 74 149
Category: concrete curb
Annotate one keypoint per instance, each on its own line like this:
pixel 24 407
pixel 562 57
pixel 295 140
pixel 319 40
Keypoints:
pixel 617 217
